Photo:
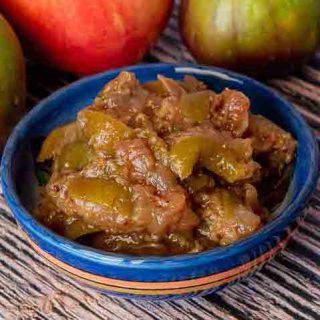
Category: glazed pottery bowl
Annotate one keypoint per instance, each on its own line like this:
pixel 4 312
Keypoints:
pixel 145 277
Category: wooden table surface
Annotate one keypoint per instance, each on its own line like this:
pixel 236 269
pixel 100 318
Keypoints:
pixel 286 288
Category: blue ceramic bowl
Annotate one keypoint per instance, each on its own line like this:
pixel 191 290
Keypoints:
pixel 156 278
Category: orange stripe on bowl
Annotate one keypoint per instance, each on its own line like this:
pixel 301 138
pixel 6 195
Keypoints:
pixel 152 292
pixel 170 285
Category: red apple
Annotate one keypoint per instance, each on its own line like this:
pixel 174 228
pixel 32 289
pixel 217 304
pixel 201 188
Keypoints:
pixel 85 37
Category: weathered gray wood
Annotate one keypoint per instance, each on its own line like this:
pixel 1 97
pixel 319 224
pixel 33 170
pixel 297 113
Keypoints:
pixel 286 288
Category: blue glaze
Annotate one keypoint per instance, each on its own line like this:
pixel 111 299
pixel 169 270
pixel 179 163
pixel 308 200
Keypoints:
pixel 19 184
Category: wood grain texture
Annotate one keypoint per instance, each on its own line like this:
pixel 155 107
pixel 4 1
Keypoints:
pixel 286 288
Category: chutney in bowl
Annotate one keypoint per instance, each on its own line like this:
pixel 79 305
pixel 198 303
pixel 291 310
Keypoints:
pixel 164 168
pixel 146 276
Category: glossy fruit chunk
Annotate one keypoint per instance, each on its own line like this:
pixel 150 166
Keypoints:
pixel 198 181
pixel 195 105
pixel 100 191
pixel 57 139
pixel 184 155
pixel 224 159
pixel 74 156
pixel 102 130
pixel 224 217
pixel 155 87
pixel 156 144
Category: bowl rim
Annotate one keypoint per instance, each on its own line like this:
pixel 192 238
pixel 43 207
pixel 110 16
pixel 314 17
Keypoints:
pixel 287 216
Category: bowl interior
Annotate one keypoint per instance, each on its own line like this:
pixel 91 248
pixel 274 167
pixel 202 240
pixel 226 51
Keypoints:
pixel 62 107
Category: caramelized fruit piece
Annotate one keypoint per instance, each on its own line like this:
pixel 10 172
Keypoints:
pixel 191 84
pixel 125 83
pixel 161 214
pixel 225 217
pixel 276 145
pixel 196 182
pixel 156 144
pixel 174 88
pixel 249 195
pixel 184 155
pixel 101 203
pixel 195 105
pixel 69 226
pixel 182 110
pixel 230 112
pixel 100 191
pixel 216 156
pixel 57 139
pixel 74 156
pixel 224 161
pixel 155 87
pixel 102 129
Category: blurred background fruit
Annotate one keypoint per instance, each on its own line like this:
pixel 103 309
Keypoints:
pixel 254 36
pixel 12 80
pixel 85 37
